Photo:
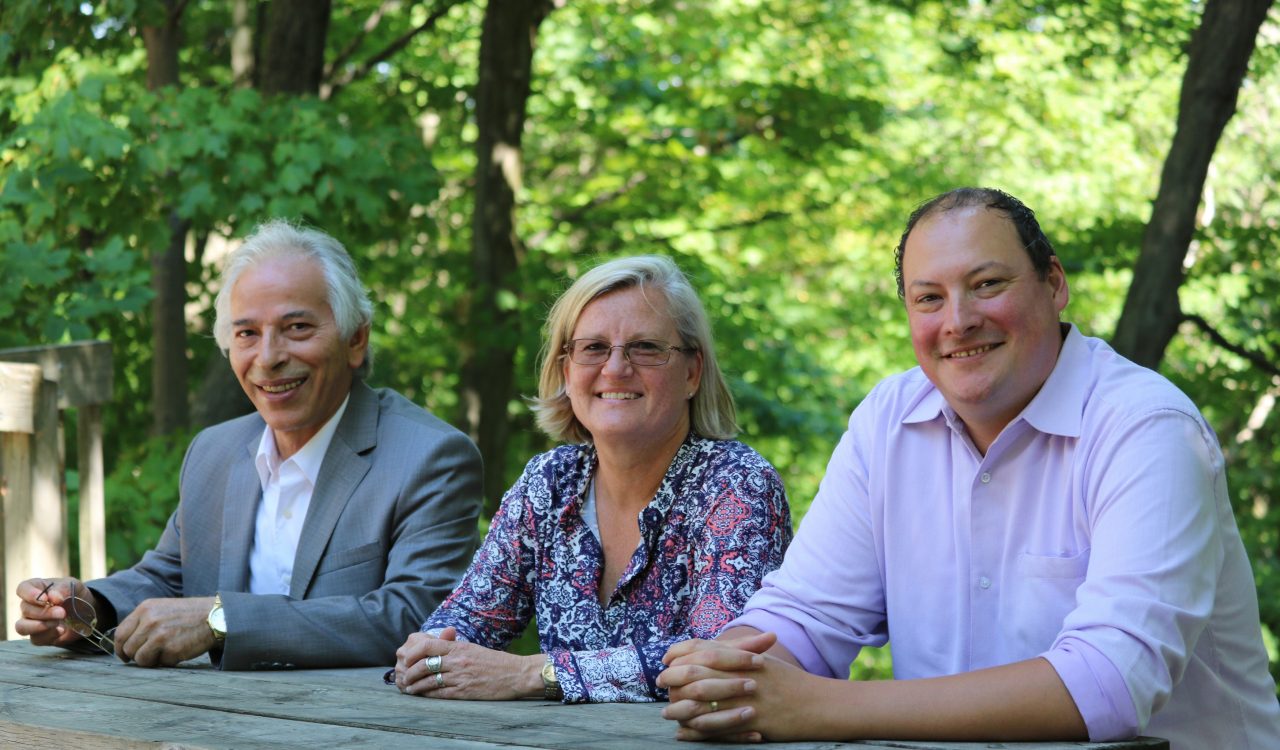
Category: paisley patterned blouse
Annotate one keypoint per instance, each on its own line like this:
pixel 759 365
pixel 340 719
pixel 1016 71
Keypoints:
pixel 718 523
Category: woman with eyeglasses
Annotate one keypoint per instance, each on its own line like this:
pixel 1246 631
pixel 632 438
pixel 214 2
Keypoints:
pixel 649 527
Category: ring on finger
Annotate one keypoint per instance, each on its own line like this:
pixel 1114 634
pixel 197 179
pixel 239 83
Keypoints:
pixel 439 680
pixel 435 664
pixel 714 706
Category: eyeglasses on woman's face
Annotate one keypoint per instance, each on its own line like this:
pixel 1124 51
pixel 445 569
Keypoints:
pixel 642 353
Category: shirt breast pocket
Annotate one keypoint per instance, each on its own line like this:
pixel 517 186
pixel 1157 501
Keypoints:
pixel 1045 593
pixel 1055 567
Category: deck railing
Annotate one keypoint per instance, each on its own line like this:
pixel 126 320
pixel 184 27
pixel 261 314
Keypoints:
pixel 37 386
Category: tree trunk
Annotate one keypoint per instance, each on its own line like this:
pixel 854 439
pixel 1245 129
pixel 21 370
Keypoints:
pixel 162 43
pixel 292 40
pixel 285 56
pixel 1216 64
pixel 169 405
pixel 242 43
pixel 502 91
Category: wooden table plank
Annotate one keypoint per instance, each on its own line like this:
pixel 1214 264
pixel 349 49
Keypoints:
pixel 350 708
pixel 45 718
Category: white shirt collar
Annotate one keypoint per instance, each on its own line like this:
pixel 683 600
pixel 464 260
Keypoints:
pixel 308 458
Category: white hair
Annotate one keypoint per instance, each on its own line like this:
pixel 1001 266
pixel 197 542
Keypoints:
pixel 276 238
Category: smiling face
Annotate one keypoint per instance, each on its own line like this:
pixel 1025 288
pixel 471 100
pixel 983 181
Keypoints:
pixel 620 404
pixel 286 349
pixel 984 325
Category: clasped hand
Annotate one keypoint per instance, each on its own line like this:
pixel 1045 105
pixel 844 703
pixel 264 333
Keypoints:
pixel 159 633
pixel 730 690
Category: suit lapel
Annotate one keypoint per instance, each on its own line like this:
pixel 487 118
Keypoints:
pixel 239 510
pixel 343 469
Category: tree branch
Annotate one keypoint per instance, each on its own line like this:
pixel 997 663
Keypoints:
pixel 1257 360
pixel 331 89
pixel 575 213
pixel 370 24
pixel 768 216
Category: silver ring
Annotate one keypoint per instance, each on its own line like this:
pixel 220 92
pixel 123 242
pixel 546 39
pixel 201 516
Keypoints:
pixel 434 664
pixel 439 680
pixel 714 706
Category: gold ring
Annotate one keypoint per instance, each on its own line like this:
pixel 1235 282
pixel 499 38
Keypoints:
pixel 715 706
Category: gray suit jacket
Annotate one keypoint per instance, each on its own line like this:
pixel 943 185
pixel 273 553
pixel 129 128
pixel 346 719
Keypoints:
pixel 390 530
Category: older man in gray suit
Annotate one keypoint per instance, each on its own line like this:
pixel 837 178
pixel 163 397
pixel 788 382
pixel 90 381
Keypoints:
pixel 316 532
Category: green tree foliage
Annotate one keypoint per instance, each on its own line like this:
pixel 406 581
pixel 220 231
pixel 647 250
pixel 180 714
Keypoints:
pixel 92 160
pixel 772 148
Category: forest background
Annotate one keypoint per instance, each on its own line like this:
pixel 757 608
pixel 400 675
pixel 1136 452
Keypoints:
pixel 476 157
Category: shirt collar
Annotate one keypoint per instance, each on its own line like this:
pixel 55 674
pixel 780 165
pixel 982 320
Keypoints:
pixel 1059 406
pixel 1056 409
pixel 929 403
pixel 308 458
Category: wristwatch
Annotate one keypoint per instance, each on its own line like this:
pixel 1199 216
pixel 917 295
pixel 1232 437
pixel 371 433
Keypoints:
pixel 218 620
pixel 550 685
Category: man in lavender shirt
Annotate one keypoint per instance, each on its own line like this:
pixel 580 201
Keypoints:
pixel 1040 526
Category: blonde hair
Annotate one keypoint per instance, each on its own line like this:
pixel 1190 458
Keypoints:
pixel 711 410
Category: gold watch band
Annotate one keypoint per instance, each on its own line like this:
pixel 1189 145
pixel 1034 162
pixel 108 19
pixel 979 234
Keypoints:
pixel 218 620
pixel 550 683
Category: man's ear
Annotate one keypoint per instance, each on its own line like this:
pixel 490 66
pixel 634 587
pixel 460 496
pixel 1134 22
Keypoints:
pixel 1057 280
pixel 358 347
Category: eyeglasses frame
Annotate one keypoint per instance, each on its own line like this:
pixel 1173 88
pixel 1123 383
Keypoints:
pixel 87 627
pixel 567 350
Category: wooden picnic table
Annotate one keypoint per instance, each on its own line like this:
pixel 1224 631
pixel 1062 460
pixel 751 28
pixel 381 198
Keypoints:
pixel 50 698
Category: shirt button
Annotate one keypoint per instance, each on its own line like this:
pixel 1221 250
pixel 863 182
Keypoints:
pixel 984 582
pixel 986 477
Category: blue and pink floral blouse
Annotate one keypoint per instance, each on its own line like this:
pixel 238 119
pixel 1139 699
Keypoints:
pixel 718 523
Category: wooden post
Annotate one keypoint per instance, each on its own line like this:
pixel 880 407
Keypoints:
pixel 19 385
pixel 48 523
pixel 67 376
pixel 93 514
pixel 19 394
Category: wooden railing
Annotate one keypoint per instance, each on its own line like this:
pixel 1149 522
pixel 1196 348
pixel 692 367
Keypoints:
pixel 37 385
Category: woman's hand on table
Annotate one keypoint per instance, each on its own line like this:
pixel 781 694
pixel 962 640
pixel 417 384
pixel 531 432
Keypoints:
pixel 465 671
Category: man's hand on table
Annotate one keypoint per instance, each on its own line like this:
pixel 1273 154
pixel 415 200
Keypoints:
pixel 467 671
pixel 45 605
pixel 166 632
pixel 731 690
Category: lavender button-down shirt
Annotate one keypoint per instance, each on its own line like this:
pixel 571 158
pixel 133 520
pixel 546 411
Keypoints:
pixel 1096 532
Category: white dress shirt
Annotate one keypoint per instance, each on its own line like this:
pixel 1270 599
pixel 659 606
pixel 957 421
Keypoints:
pixel 287 487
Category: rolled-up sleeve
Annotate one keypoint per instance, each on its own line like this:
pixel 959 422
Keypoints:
pixel 1150 587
